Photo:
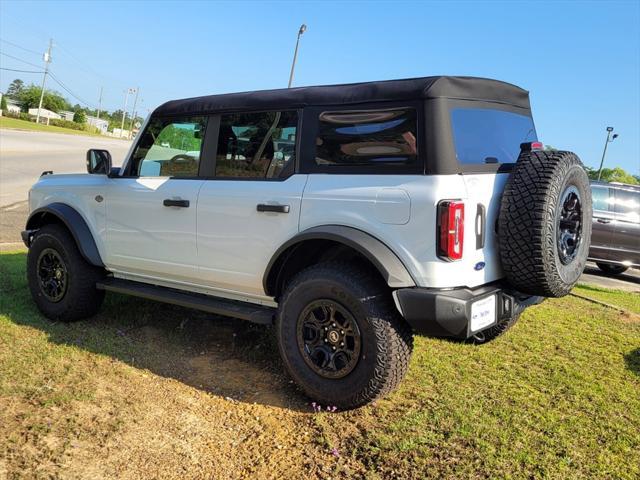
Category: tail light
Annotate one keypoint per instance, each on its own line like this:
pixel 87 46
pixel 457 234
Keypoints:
pixel 450 229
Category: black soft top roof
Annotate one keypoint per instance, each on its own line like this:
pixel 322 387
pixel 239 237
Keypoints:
pixel 468 88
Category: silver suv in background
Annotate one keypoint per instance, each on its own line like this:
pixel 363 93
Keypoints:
pixel 615 241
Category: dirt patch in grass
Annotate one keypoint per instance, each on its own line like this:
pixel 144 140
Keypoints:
pixel 154 391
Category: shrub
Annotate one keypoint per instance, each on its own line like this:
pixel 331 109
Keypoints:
pixel 66 124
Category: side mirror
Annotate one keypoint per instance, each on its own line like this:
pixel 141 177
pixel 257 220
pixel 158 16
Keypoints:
pixel 98 161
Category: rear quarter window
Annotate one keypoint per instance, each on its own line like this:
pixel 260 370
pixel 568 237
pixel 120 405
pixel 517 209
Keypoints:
pixel 485 136
pixel 367 138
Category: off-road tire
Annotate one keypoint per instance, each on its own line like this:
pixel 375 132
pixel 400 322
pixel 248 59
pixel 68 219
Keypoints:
pixel 386 338
pixel 82 299
pixel 528 222
pixel 611 269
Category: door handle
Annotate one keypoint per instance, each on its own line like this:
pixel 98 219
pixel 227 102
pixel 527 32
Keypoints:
pixel 603 220
pixel 273 208
pixel 169 202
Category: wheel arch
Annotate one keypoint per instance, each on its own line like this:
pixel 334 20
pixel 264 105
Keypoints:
pixel 68 216
pixel 297 253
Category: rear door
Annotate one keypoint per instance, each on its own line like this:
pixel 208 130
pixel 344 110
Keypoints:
pixel 251 205
pixel 626 234
pixel 151 209
pixel 603 223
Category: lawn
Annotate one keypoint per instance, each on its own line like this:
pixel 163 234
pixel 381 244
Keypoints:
pixel 153 391
pixel 8 122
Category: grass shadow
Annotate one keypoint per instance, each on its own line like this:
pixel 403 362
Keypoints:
pixel 632 359
pixel 226 357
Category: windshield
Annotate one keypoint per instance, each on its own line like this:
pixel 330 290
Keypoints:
pixel 486 136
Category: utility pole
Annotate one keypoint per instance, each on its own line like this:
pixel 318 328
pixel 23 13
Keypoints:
pixel 133 111
pixel 99 103
pixel 303 28
pixel 604 152
pixel 47 61
pixel 124 110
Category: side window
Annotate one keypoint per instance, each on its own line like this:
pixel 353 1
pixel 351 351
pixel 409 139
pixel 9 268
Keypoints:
pixel 600 198
pixel 256 145
pixel 627 205
pixel 170 147
pixel 366 138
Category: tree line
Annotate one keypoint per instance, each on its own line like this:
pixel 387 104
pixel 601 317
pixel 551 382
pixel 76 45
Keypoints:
pixel 29 97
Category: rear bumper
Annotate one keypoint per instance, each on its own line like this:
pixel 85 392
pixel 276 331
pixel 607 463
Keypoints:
pixel 447 313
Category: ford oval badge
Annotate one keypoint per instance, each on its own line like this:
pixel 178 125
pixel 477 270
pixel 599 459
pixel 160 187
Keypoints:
pixel 479 266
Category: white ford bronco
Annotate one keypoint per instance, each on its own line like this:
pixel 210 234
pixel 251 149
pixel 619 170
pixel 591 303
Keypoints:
pixel 348 216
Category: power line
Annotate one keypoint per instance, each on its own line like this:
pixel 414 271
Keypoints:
pixel 69 91
pixel 20 47
pixel 19 59
pixel 21 71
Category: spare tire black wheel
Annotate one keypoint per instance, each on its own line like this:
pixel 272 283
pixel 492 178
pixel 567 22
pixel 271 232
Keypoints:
pixel 544 226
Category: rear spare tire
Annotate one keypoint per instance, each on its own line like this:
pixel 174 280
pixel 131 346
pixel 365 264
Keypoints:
pixel 544 226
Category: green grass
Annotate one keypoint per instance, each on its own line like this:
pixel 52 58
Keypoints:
pixel 627 300
pixel 557 397
pixel 15 123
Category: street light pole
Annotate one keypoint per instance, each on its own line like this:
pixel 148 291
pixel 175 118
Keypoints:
pixel 303 28
pixel 47 60
pixel 604 152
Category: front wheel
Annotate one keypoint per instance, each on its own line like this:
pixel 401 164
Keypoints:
pixel 62 283
pixel 612 269
pixel 340 336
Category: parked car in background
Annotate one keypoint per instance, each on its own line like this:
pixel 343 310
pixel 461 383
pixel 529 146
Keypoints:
pixel 615 241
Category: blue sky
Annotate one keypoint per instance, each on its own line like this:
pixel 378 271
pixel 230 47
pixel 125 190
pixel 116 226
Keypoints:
pixel 580 60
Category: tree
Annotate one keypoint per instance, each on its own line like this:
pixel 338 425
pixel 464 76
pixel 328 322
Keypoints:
pixel 30 98
pixel 15 88
pixel 79 116
pixel 3 103
pixel 615 174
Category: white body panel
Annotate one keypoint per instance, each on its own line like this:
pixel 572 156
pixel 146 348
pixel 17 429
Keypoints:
pixel 354 201
pixel 222 245
pixel 147 238
pixel 235 241
pixel 78 191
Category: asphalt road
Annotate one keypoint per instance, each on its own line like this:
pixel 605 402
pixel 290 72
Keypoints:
pixel 24 155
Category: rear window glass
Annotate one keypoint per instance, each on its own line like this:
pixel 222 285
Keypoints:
pixel 372 137
pixel 486 136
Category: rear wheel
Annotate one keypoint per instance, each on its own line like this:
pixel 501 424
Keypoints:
pixel 62 283
pixel 612 269
pixel 544 226
pixel 341 337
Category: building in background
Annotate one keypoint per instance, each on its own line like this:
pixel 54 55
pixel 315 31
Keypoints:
pixel 44 113
pixel 98 123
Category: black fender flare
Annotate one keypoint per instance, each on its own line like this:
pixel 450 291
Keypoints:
pixel 74 222
pixel 380 255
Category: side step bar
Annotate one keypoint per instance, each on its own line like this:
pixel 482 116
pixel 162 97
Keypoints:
pixel 219 306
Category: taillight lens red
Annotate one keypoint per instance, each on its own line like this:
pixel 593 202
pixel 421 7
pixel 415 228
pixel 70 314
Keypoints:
pixel 450 229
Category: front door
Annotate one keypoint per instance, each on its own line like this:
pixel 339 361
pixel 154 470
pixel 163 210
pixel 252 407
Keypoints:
pixel 603 223
pixel 151 209
pixel 252 204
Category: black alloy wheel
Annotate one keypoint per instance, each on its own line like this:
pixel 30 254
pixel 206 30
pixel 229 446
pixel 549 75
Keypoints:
pixel 52 275
pixel 329 338
pixel 569 231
